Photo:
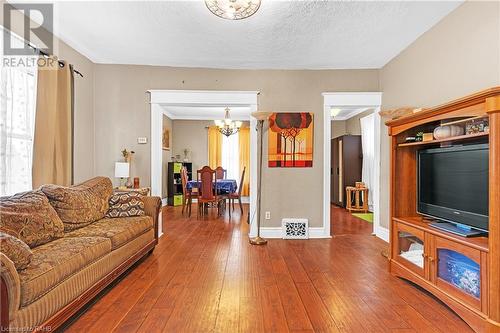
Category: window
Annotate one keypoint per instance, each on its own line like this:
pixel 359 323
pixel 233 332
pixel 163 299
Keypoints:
pixel 17 121
pixel 231 155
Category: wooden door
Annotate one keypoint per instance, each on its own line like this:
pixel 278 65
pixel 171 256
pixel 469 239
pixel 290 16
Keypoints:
pixel 334 172
pixel 353 158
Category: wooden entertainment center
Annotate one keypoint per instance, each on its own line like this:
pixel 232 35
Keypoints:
pixel 421 253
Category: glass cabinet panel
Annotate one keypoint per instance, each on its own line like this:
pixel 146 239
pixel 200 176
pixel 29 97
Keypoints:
pixel 459 271
pixel 411 248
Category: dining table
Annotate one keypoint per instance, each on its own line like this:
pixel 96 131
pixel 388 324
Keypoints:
pixel 223 185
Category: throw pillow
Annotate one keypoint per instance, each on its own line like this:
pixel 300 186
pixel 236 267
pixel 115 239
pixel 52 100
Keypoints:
pixel 30 217
pixel 125 204
pixel 81 204
pixel 16 250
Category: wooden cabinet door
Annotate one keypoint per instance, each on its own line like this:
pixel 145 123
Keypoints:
pixel 409 248
pixel 459 271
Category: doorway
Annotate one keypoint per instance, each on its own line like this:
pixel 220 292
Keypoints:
pixel 345 114
pixel 199 105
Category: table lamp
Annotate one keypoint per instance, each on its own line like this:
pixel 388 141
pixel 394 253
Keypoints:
pixel 122 170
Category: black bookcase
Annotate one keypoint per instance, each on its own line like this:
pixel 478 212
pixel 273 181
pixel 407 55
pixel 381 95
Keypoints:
pixel 174 183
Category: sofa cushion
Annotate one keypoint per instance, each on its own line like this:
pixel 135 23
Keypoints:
pixel 81 204
pixel 29 217
pixel 125 204
pixel 119 230
pixel 54 262
pixel 16 250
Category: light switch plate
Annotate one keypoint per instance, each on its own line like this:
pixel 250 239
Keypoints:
pixel 142 140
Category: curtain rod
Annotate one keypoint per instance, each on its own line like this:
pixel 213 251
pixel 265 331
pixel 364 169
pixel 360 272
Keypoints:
pixel 48 55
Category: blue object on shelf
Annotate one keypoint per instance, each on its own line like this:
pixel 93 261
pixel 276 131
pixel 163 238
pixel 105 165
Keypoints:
pixel 460 271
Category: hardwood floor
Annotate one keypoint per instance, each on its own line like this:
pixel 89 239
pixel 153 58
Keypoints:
pixel 204 276
pixel 343 223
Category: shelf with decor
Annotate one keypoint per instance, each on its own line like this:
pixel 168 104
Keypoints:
pixel 174 182
pixel 453 139
pixel 463 140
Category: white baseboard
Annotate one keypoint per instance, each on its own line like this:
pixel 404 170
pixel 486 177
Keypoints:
pixel 318 232
pixel 382 233
pixel 271 232
pixel 277 232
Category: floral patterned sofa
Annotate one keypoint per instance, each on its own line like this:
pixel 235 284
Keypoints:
pixel 59 250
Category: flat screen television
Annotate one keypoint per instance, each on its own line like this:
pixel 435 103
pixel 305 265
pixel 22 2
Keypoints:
pixel 453 184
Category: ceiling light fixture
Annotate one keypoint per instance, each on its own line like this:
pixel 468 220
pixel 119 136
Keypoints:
pixel 227 126
pixel 335 112
pixel 233 9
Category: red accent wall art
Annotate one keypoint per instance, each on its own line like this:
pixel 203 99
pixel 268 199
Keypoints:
pixel 291 140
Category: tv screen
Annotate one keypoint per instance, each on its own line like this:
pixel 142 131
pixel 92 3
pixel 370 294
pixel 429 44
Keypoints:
pixel 453 184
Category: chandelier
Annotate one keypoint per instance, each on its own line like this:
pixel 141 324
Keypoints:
pixel 227 126
pixel 233 9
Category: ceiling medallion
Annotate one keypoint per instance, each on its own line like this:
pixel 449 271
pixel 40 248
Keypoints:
pixel 227 126
pixel 233 9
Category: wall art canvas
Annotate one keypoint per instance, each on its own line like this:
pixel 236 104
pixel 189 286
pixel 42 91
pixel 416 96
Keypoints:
pixel 166 139
pixel 291 140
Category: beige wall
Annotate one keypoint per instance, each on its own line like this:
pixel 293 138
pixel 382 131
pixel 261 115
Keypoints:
pixel 338 128
pixel 84 99
pixel 166 156
pixel 193 135
pixel 350 126
pixel 458 56
pixel 353 125
pixel 122 101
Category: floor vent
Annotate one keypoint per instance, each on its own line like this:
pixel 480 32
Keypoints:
pixel 295 228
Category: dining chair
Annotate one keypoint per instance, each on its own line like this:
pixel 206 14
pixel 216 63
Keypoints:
pixel 220 173
pixel 234 196
pixel 187 195
pixel 207 194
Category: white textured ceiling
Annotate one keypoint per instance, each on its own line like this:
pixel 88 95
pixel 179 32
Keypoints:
pixel 281 35
pixel 206 112
pixel 345 113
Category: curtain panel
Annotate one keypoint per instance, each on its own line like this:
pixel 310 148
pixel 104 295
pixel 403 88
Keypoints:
pixel 214 147
pixel 245 158
pixel 17 119
pixel 368 148
pixel 53 139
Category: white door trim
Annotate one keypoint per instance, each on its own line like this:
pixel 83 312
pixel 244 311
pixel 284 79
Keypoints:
pixel 351 99
pixel 159 99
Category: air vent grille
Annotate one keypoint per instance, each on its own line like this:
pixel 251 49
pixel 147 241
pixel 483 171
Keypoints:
pixel 295 228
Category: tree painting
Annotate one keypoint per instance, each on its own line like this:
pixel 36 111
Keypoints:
pixel 291 140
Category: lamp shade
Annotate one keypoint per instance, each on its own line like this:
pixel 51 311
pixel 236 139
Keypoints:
pixel 261 115
pixel 122 169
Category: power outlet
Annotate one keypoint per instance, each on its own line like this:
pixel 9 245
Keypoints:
pixel 268 215
pixel 142 140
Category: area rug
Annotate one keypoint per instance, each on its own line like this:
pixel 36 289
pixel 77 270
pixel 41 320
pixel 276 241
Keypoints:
pixel 368 217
